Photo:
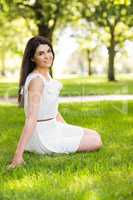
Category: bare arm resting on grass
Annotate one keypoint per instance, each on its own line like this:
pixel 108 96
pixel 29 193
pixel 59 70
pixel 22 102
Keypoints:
pixel 34 96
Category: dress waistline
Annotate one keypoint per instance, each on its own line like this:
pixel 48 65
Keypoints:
pixel 40 120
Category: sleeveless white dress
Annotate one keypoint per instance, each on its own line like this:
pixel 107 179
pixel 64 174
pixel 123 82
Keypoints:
pixel 51 136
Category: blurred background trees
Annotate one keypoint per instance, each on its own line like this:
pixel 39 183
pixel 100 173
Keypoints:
pixel 99 39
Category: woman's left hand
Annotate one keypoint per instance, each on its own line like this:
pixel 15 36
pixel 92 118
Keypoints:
pixel 15 163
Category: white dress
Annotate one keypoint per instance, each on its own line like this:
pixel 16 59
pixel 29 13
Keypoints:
pixel 51 136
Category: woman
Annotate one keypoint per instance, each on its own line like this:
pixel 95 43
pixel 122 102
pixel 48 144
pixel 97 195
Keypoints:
pixel 45 131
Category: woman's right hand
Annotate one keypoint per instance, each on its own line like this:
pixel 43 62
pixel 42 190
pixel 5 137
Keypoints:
pixel 16 162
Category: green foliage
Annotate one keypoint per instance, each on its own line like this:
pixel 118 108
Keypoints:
pixel 112 16
pixel 12 41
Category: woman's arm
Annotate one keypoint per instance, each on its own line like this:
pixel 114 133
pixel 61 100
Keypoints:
pixel 60 118
pixel 34 96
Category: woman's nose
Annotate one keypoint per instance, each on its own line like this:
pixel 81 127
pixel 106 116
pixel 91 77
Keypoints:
pixel 45 55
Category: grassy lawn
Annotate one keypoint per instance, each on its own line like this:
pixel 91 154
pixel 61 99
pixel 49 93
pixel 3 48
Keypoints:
pixel 102 175
pixel 80 86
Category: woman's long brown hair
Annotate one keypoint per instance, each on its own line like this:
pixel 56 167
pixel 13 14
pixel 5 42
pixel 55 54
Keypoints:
pixel 28 65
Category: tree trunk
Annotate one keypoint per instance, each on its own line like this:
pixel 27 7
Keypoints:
pixel 43 28
pixel 111 58
pixel 2 71
pixel 90 67
pixel 89 63
pixel 46 32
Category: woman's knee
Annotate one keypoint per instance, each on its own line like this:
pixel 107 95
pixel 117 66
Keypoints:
pixel 99 141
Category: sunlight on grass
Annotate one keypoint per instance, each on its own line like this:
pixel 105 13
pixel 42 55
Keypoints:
pixel 104 174
pixel 80 86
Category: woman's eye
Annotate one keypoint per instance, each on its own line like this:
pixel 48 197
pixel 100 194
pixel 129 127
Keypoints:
pixel 49 51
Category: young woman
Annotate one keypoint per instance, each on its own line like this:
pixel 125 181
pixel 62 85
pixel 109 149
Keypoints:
pixel 45 131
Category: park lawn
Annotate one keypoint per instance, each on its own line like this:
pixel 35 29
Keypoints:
pixel 106 174
pixel 79 86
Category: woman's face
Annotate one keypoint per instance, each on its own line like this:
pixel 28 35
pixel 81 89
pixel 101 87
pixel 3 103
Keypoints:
pixel 43 56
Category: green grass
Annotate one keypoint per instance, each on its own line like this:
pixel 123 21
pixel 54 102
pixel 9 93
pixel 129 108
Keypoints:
pixel 8 89
pixel 102 175
pixel 96 85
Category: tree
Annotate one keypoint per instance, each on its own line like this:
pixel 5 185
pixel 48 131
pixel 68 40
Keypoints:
pixel 116 19
pixel 87 37
pixel 46 14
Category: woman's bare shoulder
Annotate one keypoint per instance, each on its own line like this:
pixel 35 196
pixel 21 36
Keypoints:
pixel 36 84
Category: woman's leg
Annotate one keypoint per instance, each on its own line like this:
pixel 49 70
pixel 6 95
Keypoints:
pixel 90 141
